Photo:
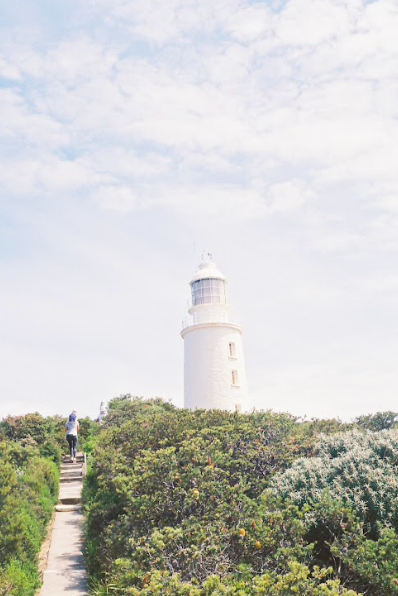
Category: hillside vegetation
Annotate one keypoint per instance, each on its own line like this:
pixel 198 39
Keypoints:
pixel 30 453
pixel 209 503
pixel 28 491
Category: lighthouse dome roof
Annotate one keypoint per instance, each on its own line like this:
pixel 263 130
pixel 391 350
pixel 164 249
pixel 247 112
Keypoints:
pixel 207 270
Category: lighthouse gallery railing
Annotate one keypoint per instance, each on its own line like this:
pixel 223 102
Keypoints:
pixel 199 318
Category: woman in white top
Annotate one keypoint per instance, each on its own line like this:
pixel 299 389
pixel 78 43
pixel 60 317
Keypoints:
pixel 72 428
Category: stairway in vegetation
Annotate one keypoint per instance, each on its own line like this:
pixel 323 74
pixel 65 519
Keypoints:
pixel 65 572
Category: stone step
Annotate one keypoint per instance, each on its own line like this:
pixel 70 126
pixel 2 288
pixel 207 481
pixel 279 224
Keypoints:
pixel 70 467
pixel 70 500
pixel 71 479
pixel 68 462
pixel 70 489
pixel 70 473
pixel 74 472
pixel 65 508
pixel 79 458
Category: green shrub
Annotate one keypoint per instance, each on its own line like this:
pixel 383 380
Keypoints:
pixel 28 492
pixel 379 421
pixel 356 468
pixel 19 579
pixel 349 496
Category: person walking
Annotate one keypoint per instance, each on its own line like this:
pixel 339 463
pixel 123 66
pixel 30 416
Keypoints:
pixel 72 428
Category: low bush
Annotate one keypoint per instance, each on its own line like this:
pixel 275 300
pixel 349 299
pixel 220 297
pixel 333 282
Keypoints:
pixel 28 492
pixel 356 468
pixel 349 493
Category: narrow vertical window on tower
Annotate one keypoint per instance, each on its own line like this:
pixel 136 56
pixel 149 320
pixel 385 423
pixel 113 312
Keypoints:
pixel 232 349
pixel 235 379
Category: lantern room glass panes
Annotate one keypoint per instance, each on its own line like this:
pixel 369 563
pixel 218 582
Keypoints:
pixel 208 291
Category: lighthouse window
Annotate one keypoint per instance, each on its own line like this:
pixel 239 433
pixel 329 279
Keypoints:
pixel 208 291
pixel 232 349
pixel 235 379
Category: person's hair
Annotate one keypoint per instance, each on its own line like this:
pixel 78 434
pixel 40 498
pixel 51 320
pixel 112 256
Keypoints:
pixel 72 418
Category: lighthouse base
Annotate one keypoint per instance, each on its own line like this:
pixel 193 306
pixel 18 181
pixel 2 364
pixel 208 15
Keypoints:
pixel 214 369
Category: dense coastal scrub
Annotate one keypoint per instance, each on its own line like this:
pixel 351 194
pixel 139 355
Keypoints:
pixel 28 492
pixel 30 453
pixel 209 503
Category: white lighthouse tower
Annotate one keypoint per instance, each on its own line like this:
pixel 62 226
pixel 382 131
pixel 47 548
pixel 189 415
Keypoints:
pixel 214 367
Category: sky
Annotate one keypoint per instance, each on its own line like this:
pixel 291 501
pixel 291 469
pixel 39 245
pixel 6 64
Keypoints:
pixel 137 134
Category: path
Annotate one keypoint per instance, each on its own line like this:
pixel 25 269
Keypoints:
pixel 65 573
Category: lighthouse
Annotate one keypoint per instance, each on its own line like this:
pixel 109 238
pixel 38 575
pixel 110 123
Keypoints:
pixel 214 367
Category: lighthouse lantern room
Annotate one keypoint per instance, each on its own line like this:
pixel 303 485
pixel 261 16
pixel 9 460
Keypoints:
pixel 214 368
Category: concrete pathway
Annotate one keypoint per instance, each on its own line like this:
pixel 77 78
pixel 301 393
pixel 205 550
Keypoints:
pixel 65 573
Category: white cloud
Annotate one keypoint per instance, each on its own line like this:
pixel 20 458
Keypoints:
pixel 389 202
pixel 311 23
pixel 124 164
pixel 381 18
pixel 161 22
pixel 250 22
pixel 74 61
pixel 116 198
pixel 9 71
pixel 20 121
pixel 243 102
pixel 286 197
pixel 48 176
pixel 244 98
